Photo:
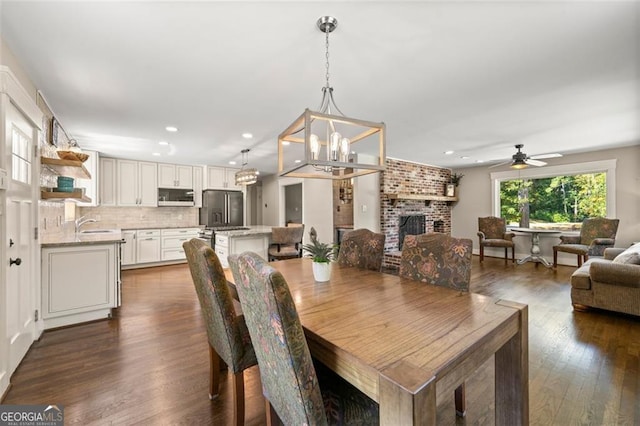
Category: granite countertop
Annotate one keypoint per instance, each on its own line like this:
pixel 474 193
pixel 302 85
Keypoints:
pixel 162 227
pixel 71 238
pixel 253 230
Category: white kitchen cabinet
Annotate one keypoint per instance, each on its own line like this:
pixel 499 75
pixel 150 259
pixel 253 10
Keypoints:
pixel 79 283
pixel 129 248
pixel 236 244
pixel 148 245
pixel 172 240
pixel 90 185
pixel 197 186
pixel 222 178
pixel 137 183
pixel 175 176
pixel 107 182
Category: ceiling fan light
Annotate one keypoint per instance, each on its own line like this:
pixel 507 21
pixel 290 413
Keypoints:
pixel 519 164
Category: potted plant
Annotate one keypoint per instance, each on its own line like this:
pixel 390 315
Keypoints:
pixel 455 178
pixel 322 255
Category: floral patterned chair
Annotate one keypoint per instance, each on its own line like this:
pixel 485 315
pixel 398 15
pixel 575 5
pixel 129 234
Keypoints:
pixel 227 332
pixel 492 232
pixel 596 234
pixel 363 249
pixel 296 391
pixel 286 242
pixel 440 260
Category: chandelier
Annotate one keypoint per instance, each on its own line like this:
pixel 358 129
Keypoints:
pixel 322 144
pixel 246 176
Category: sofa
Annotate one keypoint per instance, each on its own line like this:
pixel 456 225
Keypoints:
pixel 611 282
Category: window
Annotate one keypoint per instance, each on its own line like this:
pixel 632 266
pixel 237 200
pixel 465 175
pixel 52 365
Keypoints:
pixel 20 163
pixel 555 197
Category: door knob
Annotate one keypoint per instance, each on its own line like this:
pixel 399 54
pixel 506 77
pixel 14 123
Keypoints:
pixel 17 261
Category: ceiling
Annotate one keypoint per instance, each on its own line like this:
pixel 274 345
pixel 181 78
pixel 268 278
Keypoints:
pixel 473 77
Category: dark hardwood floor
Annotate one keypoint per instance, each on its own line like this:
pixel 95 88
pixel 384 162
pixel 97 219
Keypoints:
pixel 149 365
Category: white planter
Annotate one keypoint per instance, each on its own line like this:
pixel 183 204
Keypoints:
pixel 321 271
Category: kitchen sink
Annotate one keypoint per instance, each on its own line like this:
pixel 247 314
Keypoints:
pixel 99 231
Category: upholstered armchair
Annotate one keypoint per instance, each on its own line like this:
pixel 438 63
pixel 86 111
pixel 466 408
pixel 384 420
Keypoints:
pixel 362 249
pixel 596 234
pixel 227 332
pixel 296 391
pixel 440 260
pixel 492 232
pixel 286 242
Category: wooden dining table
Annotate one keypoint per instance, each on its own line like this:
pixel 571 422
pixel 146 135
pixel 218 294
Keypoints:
pixel 404 343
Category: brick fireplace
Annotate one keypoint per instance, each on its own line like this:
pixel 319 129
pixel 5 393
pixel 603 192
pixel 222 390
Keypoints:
pixel 412 178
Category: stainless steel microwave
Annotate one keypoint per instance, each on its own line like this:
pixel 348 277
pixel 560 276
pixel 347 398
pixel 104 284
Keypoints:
pixel 175 197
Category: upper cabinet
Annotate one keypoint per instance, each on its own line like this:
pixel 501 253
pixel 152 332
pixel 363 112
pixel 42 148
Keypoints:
pixel 137 183
pixel 197 185
pixel 107 182
pixel 175 176
pixel 222 178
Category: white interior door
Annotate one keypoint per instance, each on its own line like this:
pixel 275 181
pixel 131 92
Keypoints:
pixel 20 215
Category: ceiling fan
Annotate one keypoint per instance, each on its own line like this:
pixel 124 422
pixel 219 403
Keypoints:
pixel 520 160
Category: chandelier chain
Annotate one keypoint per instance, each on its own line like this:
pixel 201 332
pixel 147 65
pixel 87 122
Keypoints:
pixel 327 55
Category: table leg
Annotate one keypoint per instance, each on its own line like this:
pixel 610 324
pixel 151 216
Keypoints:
pixel 512 376
pixel 407 397
pixel 535 252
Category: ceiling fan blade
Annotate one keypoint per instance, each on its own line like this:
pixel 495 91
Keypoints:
pixel 542 156
pixel 499 164
pixel 532 162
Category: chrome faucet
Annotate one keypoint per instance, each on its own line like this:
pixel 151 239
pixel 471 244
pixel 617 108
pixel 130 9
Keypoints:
pixel 81 221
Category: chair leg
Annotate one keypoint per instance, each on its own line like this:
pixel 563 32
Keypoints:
pixel 555 258
pixel 481 252
pixel 585 257
pixel 238 399
pixel 513 253
pixel 272 416
pixel 461 402
pixel 506 254
pixel 214 373
pixel 579 260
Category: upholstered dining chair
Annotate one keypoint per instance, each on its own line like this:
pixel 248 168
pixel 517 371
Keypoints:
pixel 286 242
pixel 227 332
pixel 596 234
pixel 296 391
pixel 362 248
pixel 492 232
pixel 440 260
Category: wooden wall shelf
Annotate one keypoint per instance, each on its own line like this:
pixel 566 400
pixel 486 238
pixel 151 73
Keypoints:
pixel 70 168
pixel 61 196
pixel 427 198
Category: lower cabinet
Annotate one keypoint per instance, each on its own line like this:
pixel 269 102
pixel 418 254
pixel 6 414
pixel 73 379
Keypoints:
pixel 172 240
pixel 79 283
pixel 236 244
pixel 147 245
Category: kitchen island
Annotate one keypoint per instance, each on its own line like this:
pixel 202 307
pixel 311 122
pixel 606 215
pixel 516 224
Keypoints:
pixel 254 238
pixel 80 276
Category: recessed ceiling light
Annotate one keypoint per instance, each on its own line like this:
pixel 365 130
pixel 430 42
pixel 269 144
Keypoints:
pixel 171 129
pixel 233 163
pixel 479 161
pixel 156 154
pixel 285 143
pixel 464 157
pixel 297 161
pixel 163 143
pixel 448 152
pixel 247 135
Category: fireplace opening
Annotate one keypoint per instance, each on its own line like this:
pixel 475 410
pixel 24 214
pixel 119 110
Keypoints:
pixel 410 225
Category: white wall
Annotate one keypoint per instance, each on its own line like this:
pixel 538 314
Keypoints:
pixel 475 201
pixel 366 202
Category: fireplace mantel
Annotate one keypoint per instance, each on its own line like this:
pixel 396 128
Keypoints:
pixel 427 198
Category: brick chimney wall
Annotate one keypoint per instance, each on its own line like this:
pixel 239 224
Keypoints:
pixel 412 178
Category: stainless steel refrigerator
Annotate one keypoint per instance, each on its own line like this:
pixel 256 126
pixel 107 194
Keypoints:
pixel 221 208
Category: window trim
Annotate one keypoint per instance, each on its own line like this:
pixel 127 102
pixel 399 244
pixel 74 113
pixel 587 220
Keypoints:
pixel 603 166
